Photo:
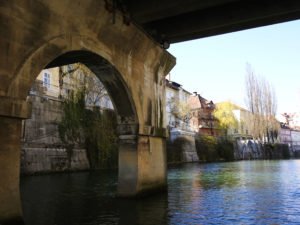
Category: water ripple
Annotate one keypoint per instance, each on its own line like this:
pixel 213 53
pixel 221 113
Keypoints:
pixel 241 193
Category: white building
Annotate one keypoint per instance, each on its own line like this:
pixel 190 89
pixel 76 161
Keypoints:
pixel 242 131
pixel 176 99
pixel 57 83
pixel 295 136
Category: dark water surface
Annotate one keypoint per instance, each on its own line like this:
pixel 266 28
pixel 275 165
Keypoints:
pixel 246 192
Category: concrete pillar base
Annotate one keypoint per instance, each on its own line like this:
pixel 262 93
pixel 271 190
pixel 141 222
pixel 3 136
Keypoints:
pixel 142 165
pixel 10 207
pixel 13 221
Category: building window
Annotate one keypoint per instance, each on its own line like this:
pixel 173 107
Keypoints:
pixel 46 80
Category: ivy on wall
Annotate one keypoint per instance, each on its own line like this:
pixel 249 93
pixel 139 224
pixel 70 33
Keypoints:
pixel 86 125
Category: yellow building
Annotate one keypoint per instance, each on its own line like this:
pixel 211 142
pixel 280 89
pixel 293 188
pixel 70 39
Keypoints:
pixel 47 83
pixel 60 82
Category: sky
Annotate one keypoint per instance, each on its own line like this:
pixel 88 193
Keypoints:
pixel 215 67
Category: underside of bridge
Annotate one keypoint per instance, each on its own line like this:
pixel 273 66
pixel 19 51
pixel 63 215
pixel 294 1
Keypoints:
pixel 181 20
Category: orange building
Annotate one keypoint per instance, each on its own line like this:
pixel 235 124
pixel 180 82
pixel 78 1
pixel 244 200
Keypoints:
pixel 202 119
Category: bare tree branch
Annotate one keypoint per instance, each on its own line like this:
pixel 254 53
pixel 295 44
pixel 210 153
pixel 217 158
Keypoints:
pixel 262 103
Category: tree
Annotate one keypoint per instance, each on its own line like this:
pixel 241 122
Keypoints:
pixel 79 77
pixel 181 110
pixel 262 103
pixel 225 116
pixel 71 131
pixel 84 123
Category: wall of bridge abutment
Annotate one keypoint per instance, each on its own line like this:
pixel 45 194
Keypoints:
pixel 142 165
pixel 12 111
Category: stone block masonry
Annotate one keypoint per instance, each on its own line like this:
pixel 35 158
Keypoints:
pixel 47 160
pixel 41 151
pixel 119 55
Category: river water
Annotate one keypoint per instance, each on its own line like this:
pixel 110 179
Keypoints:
pixel 244 192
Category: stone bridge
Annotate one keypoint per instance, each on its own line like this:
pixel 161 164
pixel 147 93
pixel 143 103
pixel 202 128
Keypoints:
pixel 120 41
pixel 38 34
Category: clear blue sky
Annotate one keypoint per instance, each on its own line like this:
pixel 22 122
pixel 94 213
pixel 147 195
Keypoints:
pixel 215 67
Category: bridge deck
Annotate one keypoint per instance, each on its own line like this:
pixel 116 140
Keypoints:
pixel 182 20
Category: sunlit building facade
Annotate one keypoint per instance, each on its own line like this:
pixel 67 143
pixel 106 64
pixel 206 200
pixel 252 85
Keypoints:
pixel 202 118
pixel 176 96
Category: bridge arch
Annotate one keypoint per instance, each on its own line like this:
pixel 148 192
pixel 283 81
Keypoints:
pixel 113 81
pixel 56 32
pixel 59 52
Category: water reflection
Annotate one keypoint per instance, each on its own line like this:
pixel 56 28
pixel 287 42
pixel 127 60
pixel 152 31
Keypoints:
pixel 249 192
pixel 252 192
pixel 86 198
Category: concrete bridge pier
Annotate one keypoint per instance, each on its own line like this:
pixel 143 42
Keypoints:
pixel 142 165
pixel 12 111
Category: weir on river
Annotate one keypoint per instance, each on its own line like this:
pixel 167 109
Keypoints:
pixel 249 149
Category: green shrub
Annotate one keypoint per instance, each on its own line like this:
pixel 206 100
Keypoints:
pixel 101 139
pixel 175 150
pixel 93 129
pixel 281 151
pixel 285 151
pixel 225 150
pixel 276 151
pixel 206 147
pixel 211 149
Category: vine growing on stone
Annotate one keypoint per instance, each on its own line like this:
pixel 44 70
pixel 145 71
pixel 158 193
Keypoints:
pixel 85 124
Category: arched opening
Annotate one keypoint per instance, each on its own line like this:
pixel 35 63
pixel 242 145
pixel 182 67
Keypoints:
pixel 126 60
pixel 111 79
pixel 113 82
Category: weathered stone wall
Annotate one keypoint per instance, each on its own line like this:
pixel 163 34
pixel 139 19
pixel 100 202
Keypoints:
pixel 47 160
pixel 146 171
pixel 189 149
pixel 49 29
pixel 248 149
pixel 10 207
pixel 182 148
pixel 42 149
pixel 35 33
pixel 41 130
pixel 254 149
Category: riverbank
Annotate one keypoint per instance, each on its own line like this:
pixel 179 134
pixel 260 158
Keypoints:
pixel 205 150
pixel 212 149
